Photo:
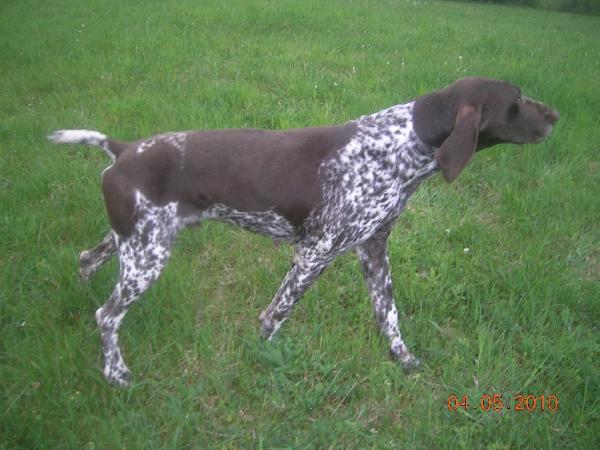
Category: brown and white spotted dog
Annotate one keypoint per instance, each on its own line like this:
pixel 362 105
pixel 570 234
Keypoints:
pixel 326 190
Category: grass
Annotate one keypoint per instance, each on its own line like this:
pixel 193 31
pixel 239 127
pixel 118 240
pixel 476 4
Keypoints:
pixel 516 313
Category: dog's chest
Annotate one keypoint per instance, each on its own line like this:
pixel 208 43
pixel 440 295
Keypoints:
pixel 377 172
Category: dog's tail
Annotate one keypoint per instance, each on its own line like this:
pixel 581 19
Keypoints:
pixel 89 137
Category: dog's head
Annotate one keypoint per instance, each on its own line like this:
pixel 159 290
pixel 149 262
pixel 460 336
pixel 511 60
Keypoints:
pixel 474 113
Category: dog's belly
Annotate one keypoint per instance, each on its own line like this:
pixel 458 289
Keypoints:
pixel 264 222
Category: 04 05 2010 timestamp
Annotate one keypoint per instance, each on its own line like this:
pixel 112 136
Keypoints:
pixel 496 403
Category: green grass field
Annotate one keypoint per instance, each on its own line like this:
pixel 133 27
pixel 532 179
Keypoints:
pixel 516 313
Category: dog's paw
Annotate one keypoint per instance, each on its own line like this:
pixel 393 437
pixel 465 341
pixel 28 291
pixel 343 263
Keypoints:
pixel 409 362
pixel 411 366
pixel 267 327
pixel 86 270
pixel 119 377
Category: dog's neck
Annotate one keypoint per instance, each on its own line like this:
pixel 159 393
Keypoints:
pixel 392 131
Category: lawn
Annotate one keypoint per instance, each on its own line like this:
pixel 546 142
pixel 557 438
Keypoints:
pixel 496 276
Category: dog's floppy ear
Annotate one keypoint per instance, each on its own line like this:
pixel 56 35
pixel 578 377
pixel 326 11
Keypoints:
pixel 458 148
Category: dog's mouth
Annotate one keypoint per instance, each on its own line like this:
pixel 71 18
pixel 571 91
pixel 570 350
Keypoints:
pixel 541 136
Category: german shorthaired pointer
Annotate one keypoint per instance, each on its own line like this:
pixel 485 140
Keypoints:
pixel 326 190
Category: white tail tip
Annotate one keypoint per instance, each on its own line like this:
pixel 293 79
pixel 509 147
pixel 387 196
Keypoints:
pixel 88 137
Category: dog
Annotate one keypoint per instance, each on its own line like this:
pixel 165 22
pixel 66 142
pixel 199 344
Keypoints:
pixel 326 190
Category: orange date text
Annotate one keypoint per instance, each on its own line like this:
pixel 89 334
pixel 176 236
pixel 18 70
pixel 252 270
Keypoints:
pixel 498 403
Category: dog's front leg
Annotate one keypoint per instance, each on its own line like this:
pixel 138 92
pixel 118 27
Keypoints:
pixel 376 267
pixel 308 265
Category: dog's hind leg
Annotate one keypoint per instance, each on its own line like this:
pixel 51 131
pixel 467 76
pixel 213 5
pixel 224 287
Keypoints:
pixel 91 260
pixel 142 257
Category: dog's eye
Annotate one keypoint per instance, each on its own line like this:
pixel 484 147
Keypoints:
pixel 513 110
